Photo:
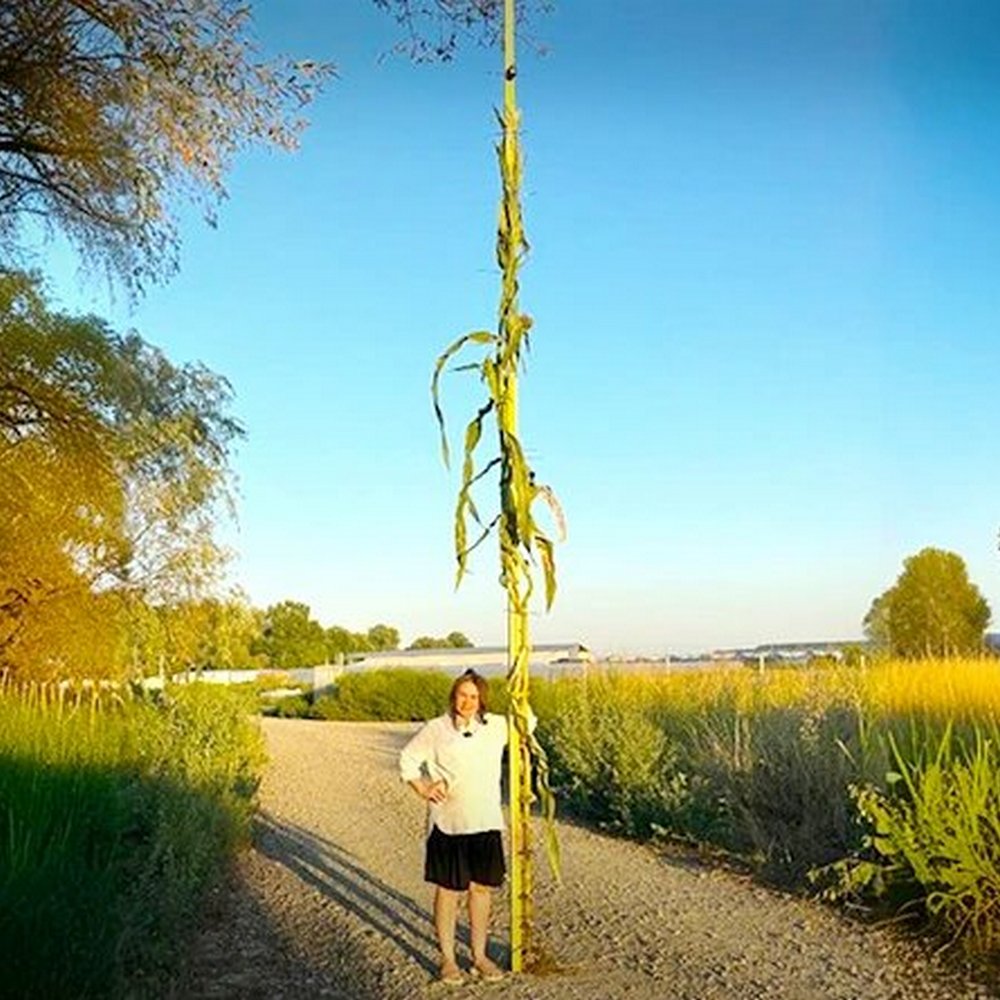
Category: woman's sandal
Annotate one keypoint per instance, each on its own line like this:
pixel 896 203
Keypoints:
pixel 451 975
pixel 489 973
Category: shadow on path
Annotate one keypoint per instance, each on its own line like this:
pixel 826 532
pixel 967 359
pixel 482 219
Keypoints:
pixel 241 952
pixel 336 873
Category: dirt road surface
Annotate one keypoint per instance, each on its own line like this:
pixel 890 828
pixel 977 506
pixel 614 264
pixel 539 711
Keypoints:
pixel 330 902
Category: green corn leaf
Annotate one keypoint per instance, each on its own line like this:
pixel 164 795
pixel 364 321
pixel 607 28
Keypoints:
pixel 473 434
pixel 492 378
pixel 461 534
pixel 476 337
pixel 547 557
pixel 484 534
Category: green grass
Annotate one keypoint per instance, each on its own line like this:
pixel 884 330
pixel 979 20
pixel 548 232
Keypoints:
pixel 112 824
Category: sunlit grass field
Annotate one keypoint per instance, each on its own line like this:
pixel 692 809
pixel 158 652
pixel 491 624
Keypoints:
pixel 880 784
pixel 114 818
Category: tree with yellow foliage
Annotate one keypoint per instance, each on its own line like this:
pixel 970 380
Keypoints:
pixel 113 467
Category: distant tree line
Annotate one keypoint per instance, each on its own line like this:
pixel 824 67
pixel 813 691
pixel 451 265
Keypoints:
pixel 290 637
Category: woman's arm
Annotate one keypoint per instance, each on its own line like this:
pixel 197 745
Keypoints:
pixel 412 760
pixel 432 791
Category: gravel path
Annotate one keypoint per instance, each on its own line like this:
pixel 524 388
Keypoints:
pixel 331 903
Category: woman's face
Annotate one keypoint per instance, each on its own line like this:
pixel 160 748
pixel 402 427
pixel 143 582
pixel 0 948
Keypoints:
pixel 467 700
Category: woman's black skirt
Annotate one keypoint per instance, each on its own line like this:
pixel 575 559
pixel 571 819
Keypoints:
pixel 456 859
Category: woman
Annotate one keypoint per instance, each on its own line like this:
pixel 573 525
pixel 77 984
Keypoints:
pixel 454 763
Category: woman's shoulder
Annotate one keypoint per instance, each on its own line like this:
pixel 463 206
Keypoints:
pixel 436 724
pixel 496 719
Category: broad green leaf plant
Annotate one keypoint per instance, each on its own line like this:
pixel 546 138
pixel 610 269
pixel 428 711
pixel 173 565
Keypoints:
pixel 524 546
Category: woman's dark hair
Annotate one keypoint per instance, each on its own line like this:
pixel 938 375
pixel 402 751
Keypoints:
pixel 481 686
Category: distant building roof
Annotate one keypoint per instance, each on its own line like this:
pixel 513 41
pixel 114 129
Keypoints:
pixel 787 649
pixel 488 660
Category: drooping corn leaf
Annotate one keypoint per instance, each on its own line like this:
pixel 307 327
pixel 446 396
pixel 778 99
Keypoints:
pixel 476 337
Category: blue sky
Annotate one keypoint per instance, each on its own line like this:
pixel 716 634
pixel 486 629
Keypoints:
pixel 764 277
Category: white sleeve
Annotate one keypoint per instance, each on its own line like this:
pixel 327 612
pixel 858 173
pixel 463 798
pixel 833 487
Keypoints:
pixel 416 753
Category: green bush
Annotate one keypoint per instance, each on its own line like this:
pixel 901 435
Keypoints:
pixel 115 821
pixel 397 695
pixel 611 762
pixel 297 706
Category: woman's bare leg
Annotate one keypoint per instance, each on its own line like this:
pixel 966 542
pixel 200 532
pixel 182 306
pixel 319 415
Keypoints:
pixel 480 898
pixel 445 915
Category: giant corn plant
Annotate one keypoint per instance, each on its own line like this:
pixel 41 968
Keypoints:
pixel 524 546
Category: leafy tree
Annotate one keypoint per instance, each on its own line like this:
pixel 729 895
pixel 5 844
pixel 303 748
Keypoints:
pixel 196 634
pixel 211 633
pixel 455 640
pixel 932 610
pixel 111 108
pixel 360 643
pixel 290 637
pixel 383 637
pixel 876 622
pixel 853 655
pixel 427 642
pixel 341 642
pixel 113 463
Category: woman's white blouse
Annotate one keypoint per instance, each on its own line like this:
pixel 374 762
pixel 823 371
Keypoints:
pixel 469 765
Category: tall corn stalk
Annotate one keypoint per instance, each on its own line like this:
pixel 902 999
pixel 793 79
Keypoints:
pixel 522 542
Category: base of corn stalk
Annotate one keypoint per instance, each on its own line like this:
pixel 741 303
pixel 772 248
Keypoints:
pixel 521 853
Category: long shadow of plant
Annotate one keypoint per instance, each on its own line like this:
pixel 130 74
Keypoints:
pixel 336 873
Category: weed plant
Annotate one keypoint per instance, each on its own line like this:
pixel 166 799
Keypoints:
pixel 115 820
pixel 934 841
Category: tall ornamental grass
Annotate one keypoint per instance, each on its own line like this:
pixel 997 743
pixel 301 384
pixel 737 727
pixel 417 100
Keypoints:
pixel 113 821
